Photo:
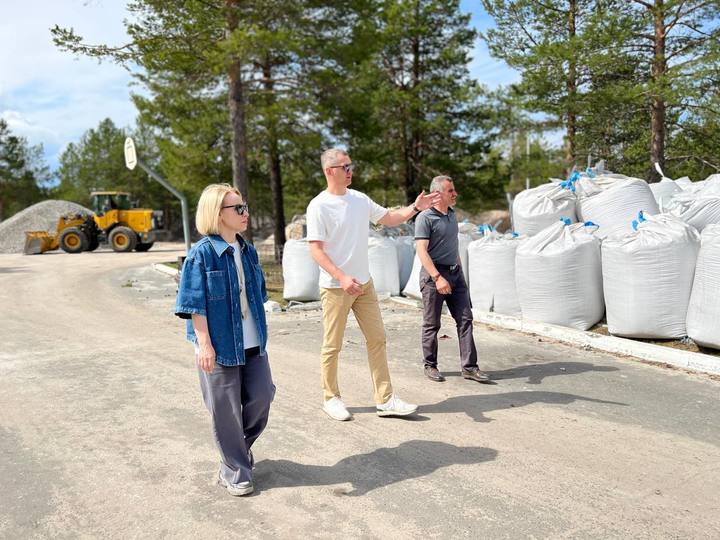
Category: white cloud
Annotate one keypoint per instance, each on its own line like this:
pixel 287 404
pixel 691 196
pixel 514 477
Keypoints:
pixel 49 96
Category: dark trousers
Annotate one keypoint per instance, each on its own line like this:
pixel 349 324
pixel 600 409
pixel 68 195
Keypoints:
pixel 458 302
pixel 238 399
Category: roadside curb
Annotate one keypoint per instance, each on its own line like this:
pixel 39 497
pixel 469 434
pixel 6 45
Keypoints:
pixel 648 352
pixel 165 269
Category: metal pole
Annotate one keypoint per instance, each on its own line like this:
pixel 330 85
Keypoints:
pixel 171 189
pixel 527 159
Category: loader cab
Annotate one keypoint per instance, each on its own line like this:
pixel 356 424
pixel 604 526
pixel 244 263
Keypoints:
pixel 105 201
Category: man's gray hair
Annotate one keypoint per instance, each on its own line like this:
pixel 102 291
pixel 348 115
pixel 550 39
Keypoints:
pixel 330 156
pixel 437 183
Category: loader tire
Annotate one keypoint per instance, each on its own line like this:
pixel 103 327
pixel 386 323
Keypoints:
pixel 141 246
pixel 73 240
pixel 122 239
pixel 93 243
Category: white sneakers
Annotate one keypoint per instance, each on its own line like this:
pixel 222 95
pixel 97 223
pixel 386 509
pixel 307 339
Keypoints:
pixel 236 490
pixel 335 409
pixel 396 407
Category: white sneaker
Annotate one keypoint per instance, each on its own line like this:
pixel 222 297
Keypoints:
pixel 236 490
pixel 396 407
pixel 335 409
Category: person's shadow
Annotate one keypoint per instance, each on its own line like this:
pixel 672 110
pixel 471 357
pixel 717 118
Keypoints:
pixel 535 373
pixel 379 468
pixel 476 406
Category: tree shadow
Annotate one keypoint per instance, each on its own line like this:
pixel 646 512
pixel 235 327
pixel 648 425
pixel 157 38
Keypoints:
pixel 535 373
pixel 370 471
pixel 476 406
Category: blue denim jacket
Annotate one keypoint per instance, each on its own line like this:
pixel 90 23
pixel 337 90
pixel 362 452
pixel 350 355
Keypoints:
pixel 209 286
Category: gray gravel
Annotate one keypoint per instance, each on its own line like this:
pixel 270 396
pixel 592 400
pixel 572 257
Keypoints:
pixel 42 216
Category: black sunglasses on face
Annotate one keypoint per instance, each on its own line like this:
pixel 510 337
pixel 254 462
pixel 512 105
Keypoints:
pixel 239 208
pixel 347 168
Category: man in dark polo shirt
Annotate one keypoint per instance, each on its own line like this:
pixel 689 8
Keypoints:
pixel 442 280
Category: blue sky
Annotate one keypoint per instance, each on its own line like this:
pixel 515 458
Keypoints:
pixel 52 98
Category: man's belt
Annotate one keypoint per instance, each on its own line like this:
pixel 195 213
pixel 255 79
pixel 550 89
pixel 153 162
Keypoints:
pixel 452 268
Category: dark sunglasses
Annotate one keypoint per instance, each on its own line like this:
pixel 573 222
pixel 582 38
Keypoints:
pixel 347 168
pixel 239 208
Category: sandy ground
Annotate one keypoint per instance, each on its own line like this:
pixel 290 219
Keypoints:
pixel 103 432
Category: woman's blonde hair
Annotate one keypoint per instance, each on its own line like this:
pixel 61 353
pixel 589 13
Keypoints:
pixel 207 217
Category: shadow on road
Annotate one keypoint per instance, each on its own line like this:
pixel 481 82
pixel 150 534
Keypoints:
pixel 366 472
pixel 476 406
pixel 535 373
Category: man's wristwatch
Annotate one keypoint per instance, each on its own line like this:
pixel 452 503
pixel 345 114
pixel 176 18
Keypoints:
pixel 417 210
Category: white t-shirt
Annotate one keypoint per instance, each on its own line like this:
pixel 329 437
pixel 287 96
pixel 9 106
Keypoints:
pixel 342 223
pixel 250 333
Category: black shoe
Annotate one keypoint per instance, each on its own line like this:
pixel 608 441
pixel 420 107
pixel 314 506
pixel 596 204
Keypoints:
pixel 433 374
pixel 474 374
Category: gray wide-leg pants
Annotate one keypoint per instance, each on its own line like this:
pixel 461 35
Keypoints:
pixel 238 399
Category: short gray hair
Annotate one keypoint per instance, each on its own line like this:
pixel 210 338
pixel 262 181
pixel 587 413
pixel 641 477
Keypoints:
pixel 437 183
pixel 330 156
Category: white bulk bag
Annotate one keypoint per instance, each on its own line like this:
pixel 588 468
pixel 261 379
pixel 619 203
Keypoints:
pixel 534 209
pixel 300 272
pixel 405 246
pixel 463 243
pixel 558 276
pixel 698 207
pixel 383 261
pixel 664 190
pixel 612 201
pixel 412 288
pixel 491 265
pixel 647 277
pixel 703 319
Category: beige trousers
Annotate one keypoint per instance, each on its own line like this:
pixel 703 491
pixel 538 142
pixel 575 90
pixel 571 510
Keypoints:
pixel 336 306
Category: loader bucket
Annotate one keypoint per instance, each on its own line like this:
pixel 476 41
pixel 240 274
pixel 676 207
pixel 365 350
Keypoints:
pixel 38 242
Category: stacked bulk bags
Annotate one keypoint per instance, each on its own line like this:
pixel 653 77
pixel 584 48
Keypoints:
pixel 463 243
pixel 534 209
pixel 558 276
pixel 300 272
pixel 383 260
pixel 612 201
pixel 405 246
pixel 703 318
pixel 647 277
pixel 491 265
pixel 698 207
pixel 412 288
pixel 664 191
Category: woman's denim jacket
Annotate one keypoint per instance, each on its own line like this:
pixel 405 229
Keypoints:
pixel 209 286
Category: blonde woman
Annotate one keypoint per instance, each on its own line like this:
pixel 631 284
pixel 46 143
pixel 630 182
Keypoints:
pixel 221 294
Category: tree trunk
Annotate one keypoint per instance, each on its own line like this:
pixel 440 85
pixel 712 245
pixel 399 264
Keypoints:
pixel 236 105
pixel 273 158
pixel 657 107
pixel 571 88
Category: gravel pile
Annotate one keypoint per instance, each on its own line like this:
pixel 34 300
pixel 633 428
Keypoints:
pixel 42 216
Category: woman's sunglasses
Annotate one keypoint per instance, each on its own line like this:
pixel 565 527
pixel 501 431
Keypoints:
pixel 241 209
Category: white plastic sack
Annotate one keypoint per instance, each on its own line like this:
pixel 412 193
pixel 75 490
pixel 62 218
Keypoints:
pixel 535 209
pixel 412 288
pixel 300 272
pixel 405 246
pixel 491 266
pixel 612 201
pixel 463 243
pixel 698 207
pixel 664 190
pixel 383 260
pixel 703 319
pixel 647 277
pixel 558 276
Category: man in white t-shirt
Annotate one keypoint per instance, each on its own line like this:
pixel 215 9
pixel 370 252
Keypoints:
pixel 337 229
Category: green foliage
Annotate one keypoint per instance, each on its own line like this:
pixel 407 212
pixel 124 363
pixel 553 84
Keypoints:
pixel 24 177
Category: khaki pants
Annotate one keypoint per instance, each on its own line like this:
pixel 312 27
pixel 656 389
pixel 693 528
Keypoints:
pixel 336 305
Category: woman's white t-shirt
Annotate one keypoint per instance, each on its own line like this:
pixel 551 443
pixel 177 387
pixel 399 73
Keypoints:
pixel 250 333
pixel 341 222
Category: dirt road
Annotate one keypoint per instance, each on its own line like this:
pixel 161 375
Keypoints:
pixel 103 433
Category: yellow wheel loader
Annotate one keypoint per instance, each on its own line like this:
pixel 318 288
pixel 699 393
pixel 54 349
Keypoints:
pixel 114 221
